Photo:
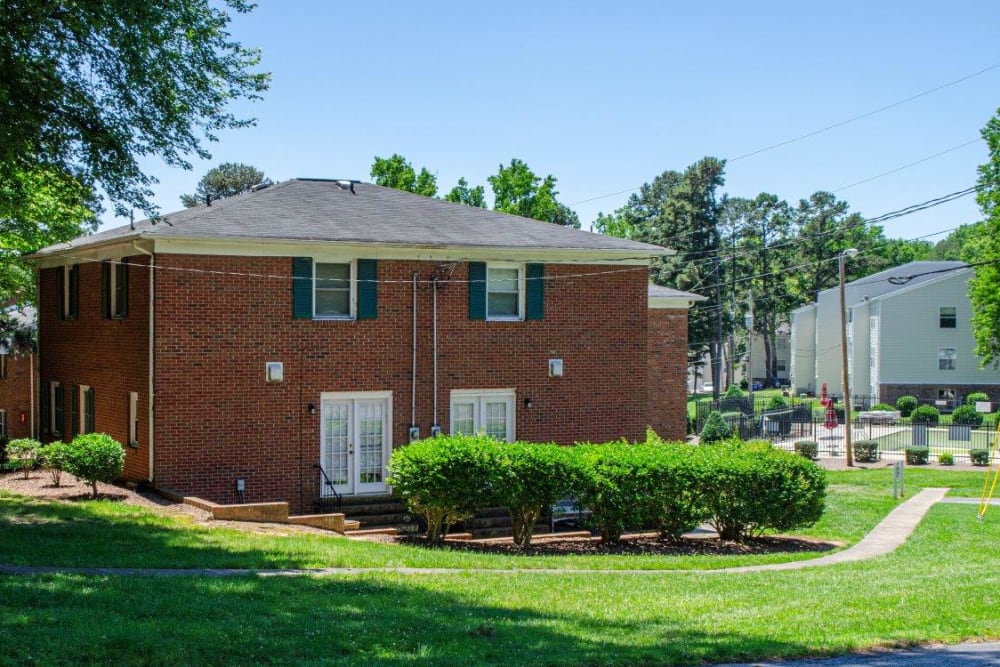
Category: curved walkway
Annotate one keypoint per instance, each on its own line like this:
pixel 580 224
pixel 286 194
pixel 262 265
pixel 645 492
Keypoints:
pixel 885 538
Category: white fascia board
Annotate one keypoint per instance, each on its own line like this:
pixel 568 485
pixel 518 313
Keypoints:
pixel 673 302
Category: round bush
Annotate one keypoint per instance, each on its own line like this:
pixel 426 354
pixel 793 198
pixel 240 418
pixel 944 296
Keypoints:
pixel 917 455
pixel 95 457
pixel 906 405
pixel 925 414
pixel 715 429
pixel 53 458
pixel 807 448
pixel 966 414
pixel 733 392
pixel 976 397
pixel 946 459
pixel 22 454
pixel 776 403
pixel 883 407
pixel 866 451
pixel 445 479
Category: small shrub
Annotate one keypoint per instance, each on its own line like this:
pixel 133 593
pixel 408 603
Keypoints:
pixel 807 448
pixel 715 428
pixel 93 458
pixel 976 397
pixel 966 414
pixel 744 385
pixel 917 455
pixel 733 392
pixel 53 459
pixel 445 479
pixel 906 405
pixel 979 457
pixel 883 407
pixel 760 442
pixel 946 459
pixel 866 451
pixel 776 403
pixel 22 454
pixel 925 414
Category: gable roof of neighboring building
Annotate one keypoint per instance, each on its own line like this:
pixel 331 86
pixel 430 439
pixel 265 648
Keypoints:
pixel 314 210
pixel 921 272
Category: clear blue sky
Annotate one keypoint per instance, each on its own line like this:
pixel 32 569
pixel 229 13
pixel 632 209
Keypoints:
pixel 605 96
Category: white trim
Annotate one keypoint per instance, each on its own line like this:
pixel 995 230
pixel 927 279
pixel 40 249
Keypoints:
pixel 672 302
pixel 354 486
pixel 133 418
pixel 81 414
pixel 479 397
pixel 342 251
pixel 520 292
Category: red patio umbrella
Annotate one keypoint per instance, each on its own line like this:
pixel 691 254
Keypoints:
pixel 823 399
pixel 831 417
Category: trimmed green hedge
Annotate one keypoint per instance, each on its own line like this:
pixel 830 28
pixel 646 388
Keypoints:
pixel 917 455
pixel 743 489
pixel 866 451
pixel 906 405
pixel 807 448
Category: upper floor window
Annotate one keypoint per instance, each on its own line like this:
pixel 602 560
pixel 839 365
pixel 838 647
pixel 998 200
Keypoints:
pixel 333 290
pixel 947 317
pixel 503 292
pixel 3 366
pixel 114 289
pixel 946 358
pixel 69 292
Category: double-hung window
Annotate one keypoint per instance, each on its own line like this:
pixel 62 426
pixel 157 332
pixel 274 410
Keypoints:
pixel 486 411
pixel 56 409
pixel 69 292
pixel 114 289
pixel 504 291
pixel 946 358
pixel 334 290
pixel 947 317
pixel 333 296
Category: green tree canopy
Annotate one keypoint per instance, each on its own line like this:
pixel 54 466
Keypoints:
pixel 92 87
pixel 518 190
pixel 963 244
pixel 396 172
pixel 463 194
pixel 983 290
pixel 226 180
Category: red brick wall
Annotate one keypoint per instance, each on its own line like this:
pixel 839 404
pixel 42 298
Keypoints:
pixel 667 357
pixel 15 394
pixel 217 420
pixel 109 355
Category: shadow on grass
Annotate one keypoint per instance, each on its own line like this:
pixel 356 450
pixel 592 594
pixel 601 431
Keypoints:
pixel 382 620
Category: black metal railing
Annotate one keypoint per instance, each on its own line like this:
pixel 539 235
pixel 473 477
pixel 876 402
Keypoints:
pixel 328 491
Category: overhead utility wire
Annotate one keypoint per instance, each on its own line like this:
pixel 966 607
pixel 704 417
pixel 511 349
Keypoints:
pixel 908 165
pixel 824 129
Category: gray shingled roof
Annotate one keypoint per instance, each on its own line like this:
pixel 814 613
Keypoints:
pixel 326 211
pixel 669 292
pixel 922 271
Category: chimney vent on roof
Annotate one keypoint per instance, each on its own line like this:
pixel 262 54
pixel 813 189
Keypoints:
pixel 346 184
pixel 260 186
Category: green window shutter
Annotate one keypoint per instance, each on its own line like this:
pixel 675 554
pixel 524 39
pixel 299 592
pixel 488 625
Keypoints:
pixel 121 288
pixel 534 292
pixel 477 290
pixel 44 407
pixel 367 289
pixel 74 292
pixel 106 290
pixel 61 292
pixel 302 288
pixel 58 401
pixel 74 412
pixel 88 413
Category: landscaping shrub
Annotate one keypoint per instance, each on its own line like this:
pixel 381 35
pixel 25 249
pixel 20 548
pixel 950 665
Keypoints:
pixel 761 442
pixel 529 479
pixel 744 384
pixel 748 489
pixel 976 397
pixel 53 459
pixel 22 454
pixel 917 455
pixel 93 458
pixel 733 392
pixel 445 479
pixel 715 428
pixel 883 407
pixel 807 448
pixel 866 451
pixel 946 459
pixel 979 457
pixel 966 414
pixel 906 405
pixel 776 403
pixel 925 414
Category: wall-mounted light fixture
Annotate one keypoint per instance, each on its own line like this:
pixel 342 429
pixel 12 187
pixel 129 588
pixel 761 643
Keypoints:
pixel 528 403
pixel 312 408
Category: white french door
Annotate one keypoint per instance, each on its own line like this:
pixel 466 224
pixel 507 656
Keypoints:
pixel 355 441
pixel 487 411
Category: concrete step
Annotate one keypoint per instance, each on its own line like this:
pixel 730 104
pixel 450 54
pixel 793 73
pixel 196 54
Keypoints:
pixel 364 532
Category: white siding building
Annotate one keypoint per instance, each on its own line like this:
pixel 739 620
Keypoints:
pixel 908 331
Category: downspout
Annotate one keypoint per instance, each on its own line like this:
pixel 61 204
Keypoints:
pixel 31 371
pixel 152 314
pixel 435 426
pixel 36 428
pixel 413 367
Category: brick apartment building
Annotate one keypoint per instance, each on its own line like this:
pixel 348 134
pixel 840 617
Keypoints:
pixel 18 374
pixel 242 345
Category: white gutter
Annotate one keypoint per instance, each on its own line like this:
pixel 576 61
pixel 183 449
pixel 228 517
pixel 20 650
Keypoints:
pixel 152 315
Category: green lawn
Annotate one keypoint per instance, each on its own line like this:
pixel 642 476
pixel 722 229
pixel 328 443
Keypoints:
pixel 941 586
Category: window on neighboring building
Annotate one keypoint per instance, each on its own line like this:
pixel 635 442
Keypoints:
pixel 133 418
pixel 486 411
pixel 69 292
pixel 947 317
pixel 333 297
pixel 114 288
pixel 503 291
pixel 946 358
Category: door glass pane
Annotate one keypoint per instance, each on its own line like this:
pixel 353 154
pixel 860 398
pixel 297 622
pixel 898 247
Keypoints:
pixel 370 442
pixel 496 420
pixel 463 418
pixel 336 442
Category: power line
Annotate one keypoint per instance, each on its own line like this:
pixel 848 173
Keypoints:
pixel 908 165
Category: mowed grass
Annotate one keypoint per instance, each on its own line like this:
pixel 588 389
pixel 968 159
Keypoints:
pixel 940 586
